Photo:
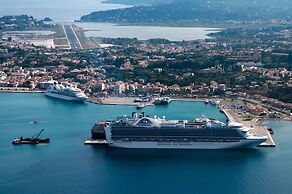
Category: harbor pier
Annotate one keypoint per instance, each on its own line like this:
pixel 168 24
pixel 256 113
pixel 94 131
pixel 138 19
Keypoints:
pixel 254 125
pixel 95 142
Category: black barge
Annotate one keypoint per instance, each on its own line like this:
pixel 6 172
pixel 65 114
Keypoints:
pixel 31 140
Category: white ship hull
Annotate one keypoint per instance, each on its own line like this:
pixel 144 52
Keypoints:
pixel 63 97
pixel 188 145
pixel 138 137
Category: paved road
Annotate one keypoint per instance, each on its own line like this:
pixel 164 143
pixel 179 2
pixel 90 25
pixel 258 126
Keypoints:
pixel 269 106
pixel 72 38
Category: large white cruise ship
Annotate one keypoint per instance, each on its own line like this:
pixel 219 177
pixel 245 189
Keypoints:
pixel 66 93
pixel 145 132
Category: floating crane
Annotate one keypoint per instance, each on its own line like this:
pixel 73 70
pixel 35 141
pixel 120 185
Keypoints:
pixel 32 140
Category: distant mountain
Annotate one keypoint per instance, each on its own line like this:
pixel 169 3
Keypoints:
pixel 210 11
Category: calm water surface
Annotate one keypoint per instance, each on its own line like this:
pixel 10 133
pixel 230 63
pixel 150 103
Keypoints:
pixel 67 166
pixel 63 11
pixel 145 32
pixel 59 10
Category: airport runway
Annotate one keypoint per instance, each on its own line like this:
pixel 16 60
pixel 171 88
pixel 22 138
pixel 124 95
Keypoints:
pixel 72 38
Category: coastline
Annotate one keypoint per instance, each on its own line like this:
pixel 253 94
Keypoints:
pixel 94 30
pixel 255 126
pixel 129 101
pixel 124 101
pixel 217 26
pixel 20 91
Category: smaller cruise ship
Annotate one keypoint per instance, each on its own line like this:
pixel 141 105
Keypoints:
pixel 63 92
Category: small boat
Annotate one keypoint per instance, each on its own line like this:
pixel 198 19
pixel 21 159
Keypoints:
pixel 162 101
pixel 212 102
pixel 206 101
pixel 140 106
pixel 271 131
pixel 221 109
pixel 31 140
pixel 138 100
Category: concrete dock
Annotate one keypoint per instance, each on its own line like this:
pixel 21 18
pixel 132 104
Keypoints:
pixel 255 127
pixel 95 142
pixel 127 101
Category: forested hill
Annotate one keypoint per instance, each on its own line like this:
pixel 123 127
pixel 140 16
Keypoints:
pixel 210 11
pixel 139 2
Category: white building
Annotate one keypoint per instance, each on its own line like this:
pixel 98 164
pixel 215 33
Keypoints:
pixel 3 75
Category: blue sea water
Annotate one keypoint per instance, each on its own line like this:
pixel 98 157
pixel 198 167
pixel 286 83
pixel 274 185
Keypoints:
pixel 64 11
pixel 93 29
pixel 67 166
pixel 58 10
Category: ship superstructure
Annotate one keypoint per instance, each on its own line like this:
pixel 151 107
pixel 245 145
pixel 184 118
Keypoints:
pixel 63 92
pixel 141 131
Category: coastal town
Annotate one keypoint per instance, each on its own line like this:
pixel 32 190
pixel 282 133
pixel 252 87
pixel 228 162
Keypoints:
pixel 146 96
pixel 114 69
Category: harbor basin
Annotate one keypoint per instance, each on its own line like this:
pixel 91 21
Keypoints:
pixel 66 165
